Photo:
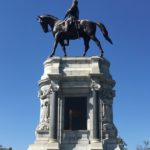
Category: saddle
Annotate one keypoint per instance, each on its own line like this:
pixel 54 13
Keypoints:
pixel 73 25
pixel 70 25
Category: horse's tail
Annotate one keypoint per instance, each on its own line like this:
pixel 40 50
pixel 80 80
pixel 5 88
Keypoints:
pixel 104 31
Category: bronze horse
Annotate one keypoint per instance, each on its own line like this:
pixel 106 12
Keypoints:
pixel 82 28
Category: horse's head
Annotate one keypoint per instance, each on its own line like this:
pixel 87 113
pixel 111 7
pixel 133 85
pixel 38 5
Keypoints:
pixel 44 23
pixel 47 20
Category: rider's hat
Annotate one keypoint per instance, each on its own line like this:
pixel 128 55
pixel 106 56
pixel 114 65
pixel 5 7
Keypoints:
pixel 75 2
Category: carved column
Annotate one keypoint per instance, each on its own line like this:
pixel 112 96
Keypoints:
pixel 95 94
pixel 54 112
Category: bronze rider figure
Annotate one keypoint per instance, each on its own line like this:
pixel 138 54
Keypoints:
pixel 72 14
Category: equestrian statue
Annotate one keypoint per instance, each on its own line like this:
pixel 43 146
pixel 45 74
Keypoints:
pixel 71 28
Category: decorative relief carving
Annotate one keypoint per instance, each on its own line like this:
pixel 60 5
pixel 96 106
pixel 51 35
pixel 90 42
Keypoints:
pixel 44 95
pixel 95 86
pixel 107 93
pixel 54 86
pixel 107 112
pixel 109 131
pixel 43 126
pixel 106 96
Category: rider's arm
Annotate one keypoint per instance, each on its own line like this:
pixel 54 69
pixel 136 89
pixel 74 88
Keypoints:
pixel 68 12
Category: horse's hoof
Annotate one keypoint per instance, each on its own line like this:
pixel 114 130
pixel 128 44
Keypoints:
pixel 51 55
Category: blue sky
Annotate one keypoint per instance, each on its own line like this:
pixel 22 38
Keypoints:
pixel 24 47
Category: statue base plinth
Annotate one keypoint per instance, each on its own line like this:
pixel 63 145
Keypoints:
pixel 44 146
pixel 96 145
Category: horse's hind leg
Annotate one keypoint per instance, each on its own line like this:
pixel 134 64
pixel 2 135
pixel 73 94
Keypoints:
pixel 86 44
pixel 98 44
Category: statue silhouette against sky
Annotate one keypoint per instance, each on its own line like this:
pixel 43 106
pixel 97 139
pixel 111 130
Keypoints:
pixel 72 28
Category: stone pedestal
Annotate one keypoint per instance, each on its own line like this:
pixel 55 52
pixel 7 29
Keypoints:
pixel 76 97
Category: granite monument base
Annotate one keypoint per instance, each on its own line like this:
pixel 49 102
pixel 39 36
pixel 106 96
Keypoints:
pixel 76 98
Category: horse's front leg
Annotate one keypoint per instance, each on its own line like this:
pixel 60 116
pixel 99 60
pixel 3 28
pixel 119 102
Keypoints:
pixel 63 47
pixel 55 44
pixel 54 48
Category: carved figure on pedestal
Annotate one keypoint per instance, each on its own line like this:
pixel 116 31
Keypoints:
pixel 107 112
pixel 44 109
pixel 45 106
pixel 107 93
pixel 95 85
pixel 109 131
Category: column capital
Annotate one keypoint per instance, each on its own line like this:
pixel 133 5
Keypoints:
pixel 55 86
pixel 95 86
